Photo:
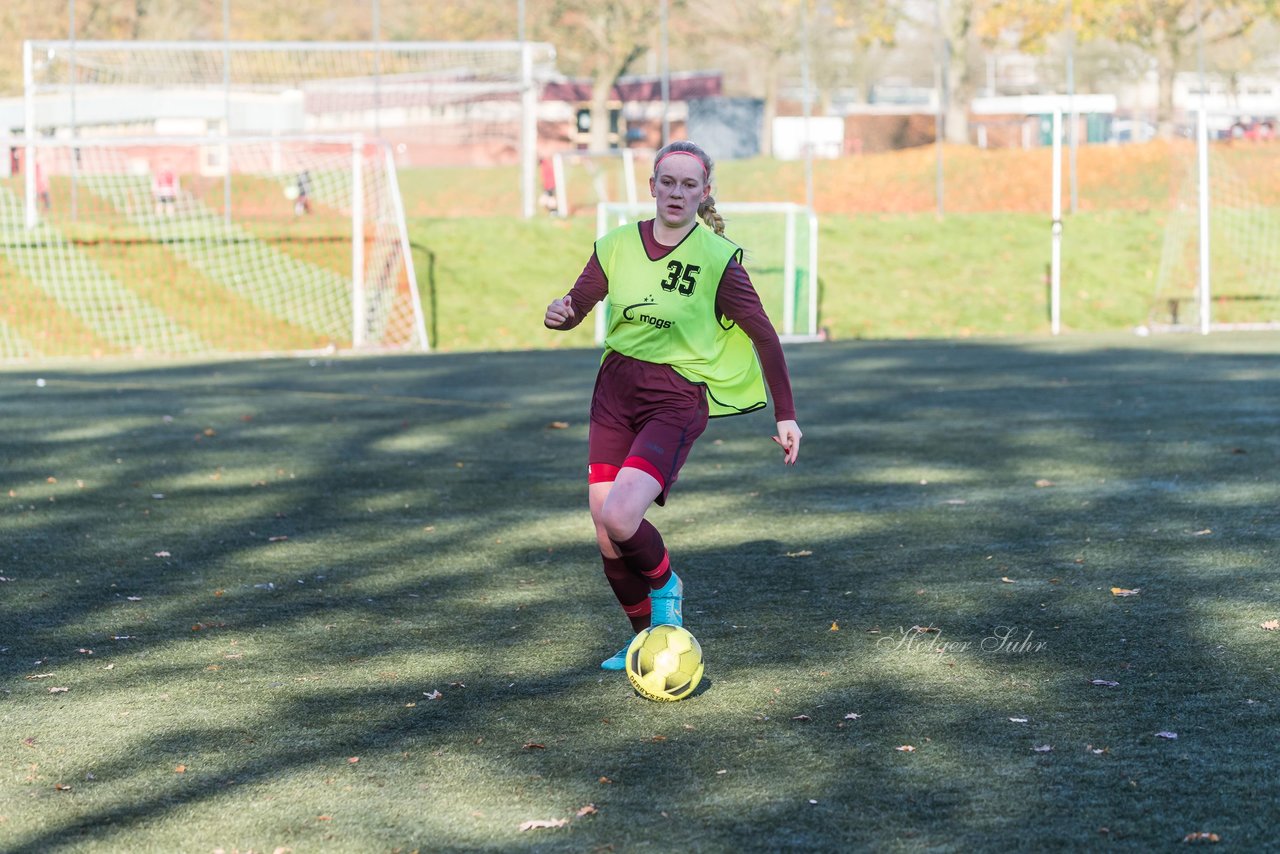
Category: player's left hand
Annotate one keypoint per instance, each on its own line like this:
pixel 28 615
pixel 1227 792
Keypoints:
pixel 788 439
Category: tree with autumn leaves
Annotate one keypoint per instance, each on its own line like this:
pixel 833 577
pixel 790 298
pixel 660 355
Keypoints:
pixel 604 40
pixel 1166 31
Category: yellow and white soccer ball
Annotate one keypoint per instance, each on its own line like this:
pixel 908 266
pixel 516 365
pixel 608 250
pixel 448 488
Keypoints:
pixel 664 663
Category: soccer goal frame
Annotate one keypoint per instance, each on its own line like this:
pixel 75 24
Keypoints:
pixel 591 160
pixel 1220 262
pixel 434 102
pixel 781 254
pixel 311 253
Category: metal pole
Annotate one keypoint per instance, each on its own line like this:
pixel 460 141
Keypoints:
pixel 1202 164
pixel 940 116
pixel 377 69
pixel 358 319
pixel 1055 264
pixel 789 274
pixel 75 152
pixel 226 111
pixel 29 119
pixel 1071 99
pixel 529 133
pixel 808 131
pixel 666 78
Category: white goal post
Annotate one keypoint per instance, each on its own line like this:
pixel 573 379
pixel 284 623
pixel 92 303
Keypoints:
pixel 1220 260
pixel 593 165
pixel 780 252
pixel 308 253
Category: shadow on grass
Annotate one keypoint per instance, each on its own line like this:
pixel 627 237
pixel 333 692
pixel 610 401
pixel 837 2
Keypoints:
pixel 281 559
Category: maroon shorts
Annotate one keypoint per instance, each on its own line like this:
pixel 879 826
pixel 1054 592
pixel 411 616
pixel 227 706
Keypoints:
pixel 644 416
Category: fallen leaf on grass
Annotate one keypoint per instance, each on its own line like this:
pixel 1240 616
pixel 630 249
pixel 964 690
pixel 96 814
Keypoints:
pixel 1106 683
pixel 181 769
pixel 1271 625
pixel 558 425
pixel 1121 591
pixel 1166 734
pixel 163 554
pixel 906 748
pixel 801 553
pixel 1202 836
pixel 1203 533
pixel 801 718
pixel 852 716
pixel 39 675
pixel 1018 720
pixel 538 824
pixel 1042 483
pixel 533 745
pixel 1007 580
pixel 279 539
pixel 1042 748
pixel 58 690
pixel 605 781
pixel 352 760
pixel 433 695
pixel 835 627
pixel 589 809
pixel 61 787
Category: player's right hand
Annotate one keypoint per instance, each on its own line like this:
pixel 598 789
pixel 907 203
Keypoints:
pixel 559 313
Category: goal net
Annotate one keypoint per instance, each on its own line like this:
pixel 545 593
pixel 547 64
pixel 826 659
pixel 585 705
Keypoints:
pixel 154 246
pixel 780 251
pixel 436 103
pixel 1244 244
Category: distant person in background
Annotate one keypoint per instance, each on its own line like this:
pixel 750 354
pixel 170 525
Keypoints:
pixel 164 189
pixel 302 202
pixel 547 167
pixel 42 188
pixel 687 339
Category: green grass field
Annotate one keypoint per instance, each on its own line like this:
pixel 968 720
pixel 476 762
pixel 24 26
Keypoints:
pixel 885 276
pixel 230 591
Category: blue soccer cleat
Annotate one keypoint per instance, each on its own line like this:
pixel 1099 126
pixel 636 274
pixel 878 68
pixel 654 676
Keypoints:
pixel 618 661
pixel 668 603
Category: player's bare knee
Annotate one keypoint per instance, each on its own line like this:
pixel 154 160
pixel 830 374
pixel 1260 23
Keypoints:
pixel 619 522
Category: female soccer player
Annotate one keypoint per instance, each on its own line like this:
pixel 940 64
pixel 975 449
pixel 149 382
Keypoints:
pixel 683 320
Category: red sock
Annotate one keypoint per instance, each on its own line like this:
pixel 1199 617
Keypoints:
pixel 632 591
pixel 645 554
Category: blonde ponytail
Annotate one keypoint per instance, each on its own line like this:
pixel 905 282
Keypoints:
pixel 707 210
